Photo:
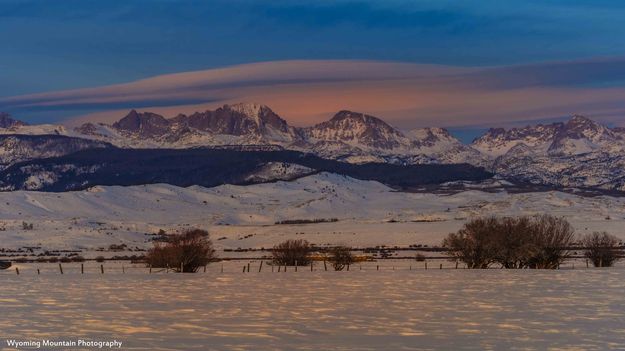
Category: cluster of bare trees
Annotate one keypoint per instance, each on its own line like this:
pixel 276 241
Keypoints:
pixel 185 252
pixel 512 242
pixel 525 242
pixel 298 253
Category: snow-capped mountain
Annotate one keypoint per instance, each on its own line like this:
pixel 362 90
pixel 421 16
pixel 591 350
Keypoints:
pixel 9 125
pixel 238 124
pixel 576 136
pixel 348 136
pixel 357 130
pixel 577 153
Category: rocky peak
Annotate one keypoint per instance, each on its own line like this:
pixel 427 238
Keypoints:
pixel 579 127
pixel 6 121
pixel 359 128
pixel 145 124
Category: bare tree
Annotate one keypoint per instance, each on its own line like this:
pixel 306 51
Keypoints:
pixel 292 252
pixel 340 257
pixel 185 252
pixel 601 248
pixel 551 239
pixel 474 243
pixel 512 241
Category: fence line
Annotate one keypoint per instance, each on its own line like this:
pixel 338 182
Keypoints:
pixel 314 267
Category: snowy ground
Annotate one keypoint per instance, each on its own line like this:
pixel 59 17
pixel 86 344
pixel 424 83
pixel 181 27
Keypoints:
pixel 368 214
pixel 581 309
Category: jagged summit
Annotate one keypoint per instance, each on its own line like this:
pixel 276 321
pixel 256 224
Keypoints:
pixel 358 129
pixel 6 121
pixel 578 135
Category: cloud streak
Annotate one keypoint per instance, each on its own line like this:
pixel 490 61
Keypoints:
pixel 407 95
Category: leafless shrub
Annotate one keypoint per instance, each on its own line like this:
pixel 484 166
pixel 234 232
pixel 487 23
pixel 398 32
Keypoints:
pixel 99 259
pixel 601 248
pixel 291 252
pixel 419 257
pixel 185 252
pixel 340 257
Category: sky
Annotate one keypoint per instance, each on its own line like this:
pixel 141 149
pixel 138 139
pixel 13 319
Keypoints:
pixel 458 64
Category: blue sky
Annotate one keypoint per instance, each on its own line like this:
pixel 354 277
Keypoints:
pixel 68 44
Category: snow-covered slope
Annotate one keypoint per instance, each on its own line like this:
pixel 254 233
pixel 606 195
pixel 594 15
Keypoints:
pixel 368 213
pixel 17 148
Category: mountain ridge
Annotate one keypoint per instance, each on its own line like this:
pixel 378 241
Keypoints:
pixel 569 153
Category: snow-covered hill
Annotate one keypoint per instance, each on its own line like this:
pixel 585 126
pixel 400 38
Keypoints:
pixel 368 213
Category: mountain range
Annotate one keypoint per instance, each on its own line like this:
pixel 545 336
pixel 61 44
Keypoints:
pixel 577 153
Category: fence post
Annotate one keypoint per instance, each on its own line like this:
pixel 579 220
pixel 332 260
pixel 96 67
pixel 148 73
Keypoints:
pixel 248 267
pixel 17 270
pixel 102 269
pixel 123 269
pixel 279 268
pixel 348 267
pixel 222 268
pixel 377 267
pixel 204 268
pixel 456 264
pixel 296 265
pixel 243 268
pixel 82 268
pixel 260 267
pixel 586 263
pixel 426 264
pixel 181 267
pixel 61 268
pixel 441 266
pixel 150 268
pixel 38 271
pixel 311 266
pixel 325 266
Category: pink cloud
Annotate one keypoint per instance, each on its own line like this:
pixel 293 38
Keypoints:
pixel 407 95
